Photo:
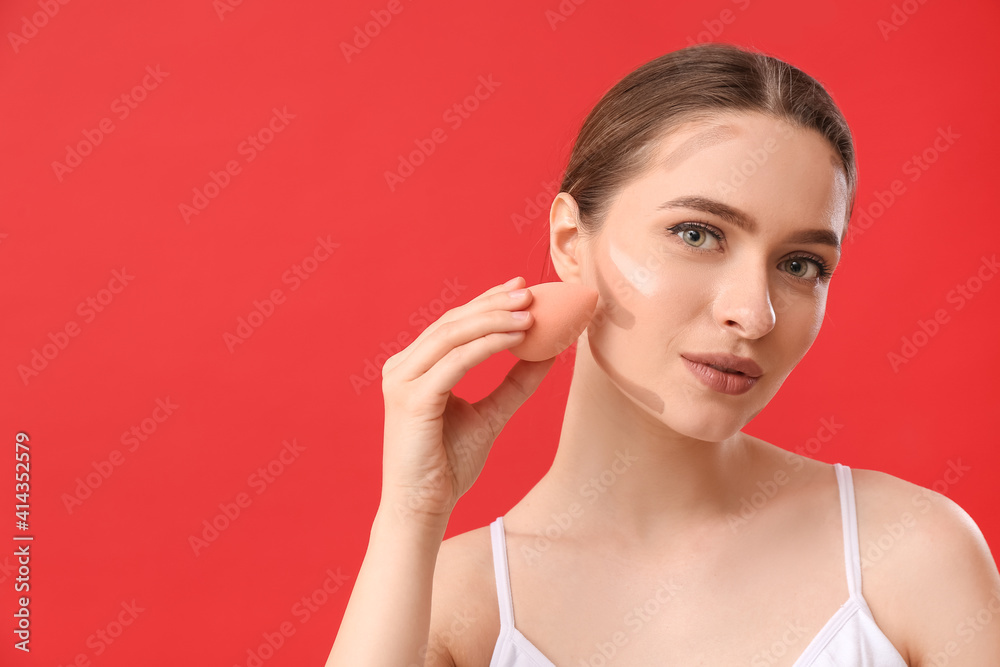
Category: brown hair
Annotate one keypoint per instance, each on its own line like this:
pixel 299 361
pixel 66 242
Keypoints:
pixel 616 141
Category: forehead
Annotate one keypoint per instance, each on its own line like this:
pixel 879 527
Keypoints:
pixel 765 166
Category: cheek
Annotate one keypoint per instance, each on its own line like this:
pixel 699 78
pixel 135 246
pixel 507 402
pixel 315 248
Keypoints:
pixel 659 276
pixel 812 322
pixel 651 289
pixel 643 278
pixel 798 318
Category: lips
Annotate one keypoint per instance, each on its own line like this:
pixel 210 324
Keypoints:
pixel 727 363
pixel 724 373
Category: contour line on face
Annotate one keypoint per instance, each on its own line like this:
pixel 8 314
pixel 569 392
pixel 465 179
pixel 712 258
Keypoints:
pixel 641 277
pixel 646 281
pixel 759 136
pixel 715 134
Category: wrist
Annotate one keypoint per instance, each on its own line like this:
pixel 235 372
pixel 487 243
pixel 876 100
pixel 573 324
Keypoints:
pixel 401 517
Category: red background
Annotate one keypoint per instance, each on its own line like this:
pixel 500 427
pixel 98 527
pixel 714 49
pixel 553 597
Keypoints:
pixel 453 219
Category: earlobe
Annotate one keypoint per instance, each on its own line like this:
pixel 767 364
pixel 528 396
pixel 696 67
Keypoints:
pixel 564 235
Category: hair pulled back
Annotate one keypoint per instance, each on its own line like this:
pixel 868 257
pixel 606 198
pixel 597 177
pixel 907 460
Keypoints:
pixel 696 83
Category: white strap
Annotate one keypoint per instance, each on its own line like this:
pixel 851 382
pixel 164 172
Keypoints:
pixel 500 573
pixel 849 521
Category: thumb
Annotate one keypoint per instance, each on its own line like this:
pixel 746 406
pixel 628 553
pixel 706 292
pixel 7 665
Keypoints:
pixel 521 382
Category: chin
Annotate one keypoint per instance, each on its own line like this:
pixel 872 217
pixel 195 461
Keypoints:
pixel 698 412
pixel 709 425
pixel 693 413
pixel 678 404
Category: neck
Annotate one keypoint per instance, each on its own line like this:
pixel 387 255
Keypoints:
pixel 630 473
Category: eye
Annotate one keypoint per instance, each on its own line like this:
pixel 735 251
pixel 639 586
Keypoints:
pixel 696 235
pixel 702 237
pixel 807 268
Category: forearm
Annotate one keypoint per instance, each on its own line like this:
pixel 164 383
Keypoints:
pixel 387 619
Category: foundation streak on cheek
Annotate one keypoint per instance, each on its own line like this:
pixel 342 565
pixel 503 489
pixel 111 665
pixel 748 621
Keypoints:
pixel 673 296
pixel 609 307
pixel 599 338
pixel 647 397
pixel 642 278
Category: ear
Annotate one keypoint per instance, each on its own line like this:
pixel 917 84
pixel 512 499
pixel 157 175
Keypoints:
pixel 565 238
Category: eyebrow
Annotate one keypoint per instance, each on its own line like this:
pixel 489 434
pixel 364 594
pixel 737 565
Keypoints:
pixel 745 221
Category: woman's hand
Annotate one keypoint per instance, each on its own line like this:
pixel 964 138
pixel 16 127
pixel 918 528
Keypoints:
pixel 436 443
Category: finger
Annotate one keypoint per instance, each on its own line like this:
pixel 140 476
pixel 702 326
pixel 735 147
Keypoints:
pixel 439 381
pixel 491 315
pixel 449 316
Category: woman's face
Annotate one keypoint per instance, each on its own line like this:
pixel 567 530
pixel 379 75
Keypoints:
pixel 723 247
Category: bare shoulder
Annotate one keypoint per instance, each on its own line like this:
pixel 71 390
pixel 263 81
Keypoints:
pixel 927 571
pixel 926 523
pixel 465 619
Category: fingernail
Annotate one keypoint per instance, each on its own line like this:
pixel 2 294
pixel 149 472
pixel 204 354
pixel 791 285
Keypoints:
pixel 511 282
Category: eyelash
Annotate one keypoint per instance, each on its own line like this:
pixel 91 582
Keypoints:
pixel 824 269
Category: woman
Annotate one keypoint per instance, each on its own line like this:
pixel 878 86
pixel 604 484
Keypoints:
pixel 705 200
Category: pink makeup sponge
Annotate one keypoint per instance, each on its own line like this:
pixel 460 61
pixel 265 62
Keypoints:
pixel 561 312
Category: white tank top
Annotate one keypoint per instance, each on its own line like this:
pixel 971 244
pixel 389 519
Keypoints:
pixel 850 638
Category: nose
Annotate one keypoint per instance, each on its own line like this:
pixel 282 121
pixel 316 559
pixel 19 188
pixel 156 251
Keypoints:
pixel 743 303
